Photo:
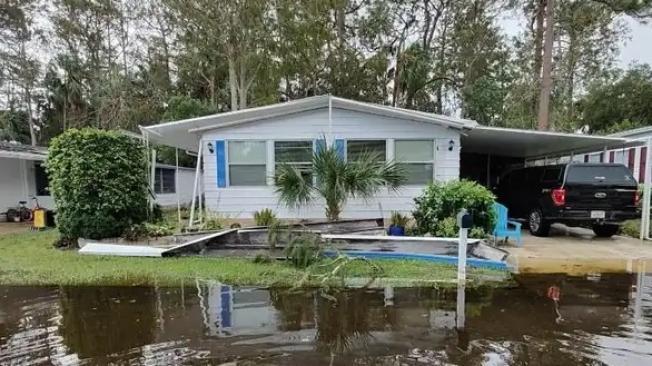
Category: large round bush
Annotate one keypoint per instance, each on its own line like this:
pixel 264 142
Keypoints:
pixel 99 183
pixel 438 206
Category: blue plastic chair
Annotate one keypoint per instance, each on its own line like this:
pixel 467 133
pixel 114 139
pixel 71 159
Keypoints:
pixel 504 226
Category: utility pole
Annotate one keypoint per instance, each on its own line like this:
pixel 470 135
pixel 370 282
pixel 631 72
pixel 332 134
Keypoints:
pixel 546 72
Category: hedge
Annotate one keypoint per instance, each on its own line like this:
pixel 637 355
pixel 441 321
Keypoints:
pixel 99 183
pixel 437 208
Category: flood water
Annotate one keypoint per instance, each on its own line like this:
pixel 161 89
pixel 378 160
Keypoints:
pixel 544 320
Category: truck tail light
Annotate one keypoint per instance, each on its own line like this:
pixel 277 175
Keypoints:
pixel 637 198
pixel 558 196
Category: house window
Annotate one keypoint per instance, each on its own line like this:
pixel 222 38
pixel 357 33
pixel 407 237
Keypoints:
pixel 164 181
pixel 247 163
pixel 42 181
pixel 295 153
pixel 417 158
pixel 355 148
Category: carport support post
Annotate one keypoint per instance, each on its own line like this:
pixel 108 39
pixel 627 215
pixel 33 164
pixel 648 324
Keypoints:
pixel 645 214
pixel 194 187
pixel 176 184
pixel 152 181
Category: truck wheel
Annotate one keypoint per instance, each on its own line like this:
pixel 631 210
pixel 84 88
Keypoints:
pixel 605 230
pixel 537 224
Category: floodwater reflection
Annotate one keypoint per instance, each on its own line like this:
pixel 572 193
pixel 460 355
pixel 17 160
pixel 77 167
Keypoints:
pixel 544 320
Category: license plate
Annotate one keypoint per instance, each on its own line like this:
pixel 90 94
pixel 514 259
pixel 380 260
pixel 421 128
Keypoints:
pixel 597 214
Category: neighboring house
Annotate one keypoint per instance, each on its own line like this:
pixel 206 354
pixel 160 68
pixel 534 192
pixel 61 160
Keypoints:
pixel 241 149
pixel 633 157
pixel 165 185
pixel 22 176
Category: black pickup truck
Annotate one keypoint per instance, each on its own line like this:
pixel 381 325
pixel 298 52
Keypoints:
pixel 595 195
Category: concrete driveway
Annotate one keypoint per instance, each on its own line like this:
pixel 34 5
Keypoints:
pixel 578 251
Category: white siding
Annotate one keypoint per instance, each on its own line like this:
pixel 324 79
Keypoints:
pixel 244 201
pixel 184 187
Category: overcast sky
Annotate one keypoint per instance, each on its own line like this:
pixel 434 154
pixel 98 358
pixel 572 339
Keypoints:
pixel 637 49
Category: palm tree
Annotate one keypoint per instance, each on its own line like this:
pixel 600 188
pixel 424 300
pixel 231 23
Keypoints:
pixel 336 180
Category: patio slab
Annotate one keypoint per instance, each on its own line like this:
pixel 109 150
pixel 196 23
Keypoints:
pixel 577 251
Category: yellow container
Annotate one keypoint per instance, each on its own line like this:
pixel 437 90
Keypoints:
pixel 39 219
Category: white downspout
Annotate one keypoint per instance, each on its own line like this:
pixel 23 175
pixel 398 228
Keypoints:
pixel 194 187
pixel 152 180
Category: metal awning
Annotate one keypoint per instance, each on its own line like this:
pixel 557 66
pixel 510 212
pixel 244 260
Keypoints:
pixel 532 144
pixel 23 152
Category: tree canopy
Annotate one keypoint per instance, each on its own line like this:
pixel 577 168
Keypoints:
pixel 122 63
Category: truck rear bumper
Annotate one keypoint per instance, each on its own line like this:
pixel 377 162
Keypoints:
pixel 584 216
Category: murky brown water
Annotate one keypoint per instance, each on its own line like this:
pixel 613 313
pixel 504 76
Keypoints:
pixel 599 319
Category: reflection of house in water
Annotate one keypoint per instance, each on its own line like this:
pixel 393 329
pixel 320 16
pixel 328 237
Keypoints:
pixel 242 311
pixel 386 316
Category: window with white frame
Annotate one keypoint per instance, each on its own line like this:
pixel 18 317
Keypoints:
pixel 164 181
pixel 417 157
pixel 295 153
pixel 247 163
pixel 355 149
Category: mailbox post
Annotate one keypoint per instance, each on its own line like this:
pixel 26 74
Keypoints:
pixel 464 222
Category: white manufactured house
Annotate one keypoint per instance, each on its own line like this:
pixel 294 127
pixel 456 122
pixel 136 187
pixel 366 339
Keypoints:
pixel 23 176
pixel 239 150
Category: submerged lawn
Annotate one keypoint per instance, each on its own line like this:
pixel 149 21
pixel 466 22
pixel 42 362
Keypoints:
pixel 30 259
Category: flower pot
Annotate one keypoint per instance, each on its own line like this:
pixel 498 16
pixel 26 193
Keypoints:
pixel 394 230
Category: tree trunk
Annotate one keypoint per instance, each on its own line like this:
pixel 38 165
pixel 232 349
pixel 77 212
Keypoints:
pixel 546 73
pixel 242 89
pixel 30 121
pixel 397 77
pixel 233 83
pixel 538 49
pixel 340 19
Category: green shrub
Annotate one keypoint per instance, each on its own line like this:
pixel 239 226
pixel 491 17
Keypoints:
pixel 99 183
pixel 438 206
pixel 446 228
pixel 264 217
pixel 304 249
pixel 397 219
pixel 631 228
pixel 212 222
pixel 147 230
pixel 262 259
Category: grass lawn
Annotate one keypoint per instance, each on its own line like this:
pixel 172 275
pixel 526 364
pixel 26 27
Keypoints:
pixel 30 259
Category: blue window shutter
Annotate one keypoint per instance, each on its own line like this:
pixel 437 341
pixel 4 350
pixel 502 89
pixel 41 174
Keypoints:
pixel 339 146
pixel 220 154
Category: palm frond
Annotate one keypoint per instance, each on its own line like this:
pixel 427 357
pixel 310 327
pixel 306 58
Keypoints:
pixel 292 188
pixel 368 174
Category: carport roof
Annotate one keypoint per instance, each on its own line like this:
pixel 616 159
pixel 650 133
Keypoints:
pixel 532 144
